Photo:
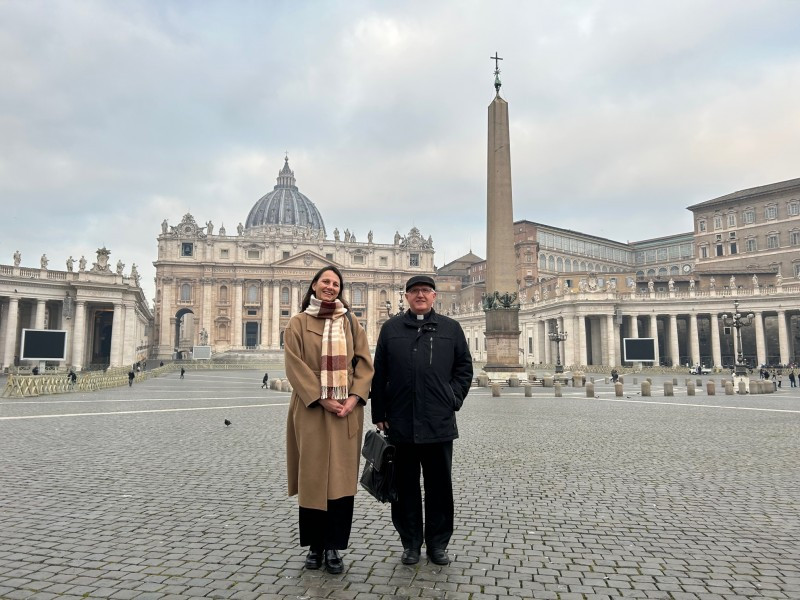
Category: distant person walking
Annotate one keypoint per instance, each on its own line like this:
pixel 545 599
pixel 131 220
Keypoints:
pixel 131 375
pixel 72 379
pixel 792 379
pixel 183 372
pixel 265 381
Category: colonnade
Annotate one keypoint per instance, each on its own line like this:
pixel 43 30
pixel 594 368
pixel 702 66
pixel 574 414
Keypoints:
pixel 686 331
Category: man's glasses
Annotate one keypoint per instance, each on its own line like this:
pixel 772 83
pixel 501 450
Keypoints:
pixel 425 291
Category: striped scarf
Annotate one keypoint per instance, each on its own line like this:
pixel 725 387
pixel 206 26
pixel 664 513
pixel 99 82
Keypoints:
pixel 333 366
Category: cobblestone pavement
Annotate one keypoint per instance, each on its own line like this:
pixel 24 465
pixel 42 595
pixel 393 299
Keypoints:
pixel 143 493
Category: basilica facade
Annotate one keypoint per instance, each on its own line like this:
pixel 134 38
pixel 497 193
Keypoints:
pixel 237 291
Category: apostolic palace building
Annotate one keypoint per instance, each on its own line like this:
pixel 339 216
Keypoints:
pixel 745 247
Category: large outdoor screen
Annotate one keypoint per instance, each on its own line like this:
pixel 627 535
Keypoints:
pixel 639 349
pixel 44 344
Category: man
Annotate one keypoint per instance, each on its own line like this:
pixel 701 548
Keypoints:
pixel 423 370
pixel 265 381
pixel 183 372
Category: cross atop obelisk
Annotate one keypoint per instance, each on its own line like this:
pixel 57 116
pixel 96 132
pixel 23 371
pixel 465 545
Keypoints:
pixel 497 83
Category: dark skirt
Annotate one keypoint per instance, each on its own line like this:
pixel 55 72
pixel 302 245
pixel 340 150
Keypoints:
pixel 327 529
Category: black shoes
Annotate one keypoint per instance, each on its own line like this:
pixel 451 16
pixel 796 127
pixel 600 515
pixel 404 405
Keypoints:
pixel 437 556
pixel 333 562
pixel 410 557
pixel 314 559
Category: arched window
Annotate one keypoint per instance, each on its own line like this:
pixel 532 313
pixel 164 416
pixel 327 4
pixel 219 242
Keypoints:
pixel 568 266
pixel 560 264
pixel 662 271
pixel 358 296
pixel 583 265
pixel 542 262
pixel 284 295
pixel 674 270
pixel 640 273
pixel 252 293
pixel 186 292
pixel 222 332
pixel 551 263
pixel 651 272
pixel 383 297
pixel 223 293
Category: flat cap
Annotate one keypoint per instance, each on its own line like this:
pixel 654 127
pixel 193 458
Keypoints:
pixel 420 280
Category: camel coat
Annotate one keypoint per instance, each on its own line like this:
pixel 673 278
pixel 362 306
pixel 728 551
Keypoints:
pixel 322 450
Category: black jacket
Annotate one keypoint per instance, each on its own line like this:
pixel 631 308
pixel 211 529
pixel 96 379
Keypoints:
pixel 423 370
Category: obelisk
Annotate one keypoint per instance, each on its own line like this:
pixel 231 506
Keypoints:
pixel 500 303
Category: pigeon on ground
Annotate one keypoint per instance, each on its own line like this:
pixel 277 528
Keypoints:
pixel 227 422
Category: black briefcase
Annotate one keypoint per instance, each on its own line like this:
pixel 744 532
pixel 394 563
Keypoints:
pixel 378 475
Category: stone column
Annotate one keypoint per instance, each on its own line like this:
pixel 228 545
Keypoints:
pixel 716 351
pixel 265 313
pixel 674 352
pixel 294 298
pixel 3 323
pixel 79 335
pixel 275 338
pixel 654 335
pixel 611 338
pixel 548 345
pixel 116 336
pixel 761 349
pixel 40 312
pixel 372 314
pixel 166 334
pixel 129 341
pixel 236 318
pixel 569 343
pixel 11 332
pixel 580 323
pixel 694 340
pixel 783 337
pixel 207 308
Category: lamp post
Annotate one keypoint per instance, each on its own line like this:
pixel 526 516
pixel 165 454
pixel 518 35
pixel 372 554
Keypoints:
pixel 738 320
pixel 557 336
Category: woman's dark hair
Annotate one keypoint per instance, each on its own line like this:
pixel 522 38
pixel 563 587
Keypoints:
pixel 310 291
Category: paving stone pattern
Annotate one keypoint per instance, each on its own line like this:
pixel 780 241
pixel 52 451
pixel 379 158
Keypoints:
pixel 143 493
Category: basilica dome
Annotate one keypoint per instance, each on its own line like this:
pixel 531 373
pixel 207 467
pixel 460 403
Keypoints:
pixel 286 206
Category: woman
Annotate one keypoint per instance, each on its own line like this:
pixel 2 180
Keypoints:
pixel 330 368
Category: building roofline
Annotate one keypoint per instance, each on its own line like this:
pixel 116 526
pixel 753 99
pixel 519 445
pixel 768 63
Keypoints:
pixel 754 192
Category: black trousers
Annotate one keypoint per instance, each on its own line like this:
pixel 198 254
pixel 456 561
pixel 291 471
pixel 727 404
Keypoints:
pixel 327 529
pixel 435 462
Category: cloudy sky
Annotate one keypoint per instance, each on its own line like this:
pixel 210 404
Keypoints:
pixel 117 115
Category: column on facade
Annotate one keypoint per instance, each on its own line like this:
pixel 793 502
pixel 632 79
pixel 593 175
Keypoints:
pixel 79 334
pixel 236 319
pixel 129 339
pixel 41 307
pixel 275 337
pixel 761 347
pixel 580 326
pixel 569 343
pixel 694 339
pixel 294 298
pixel 372 314
pixel 546 346
pixel 783 337
pixel 11 332
pixel 597 340
pixel 166 333
pixel 207 307
pixel 536 354
pixel 611 337
pixel 265 313
pixel 674 348
pixel 716 351
pixel 116 336
pixel 3 322
pixel 633 326
pixel 654 335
